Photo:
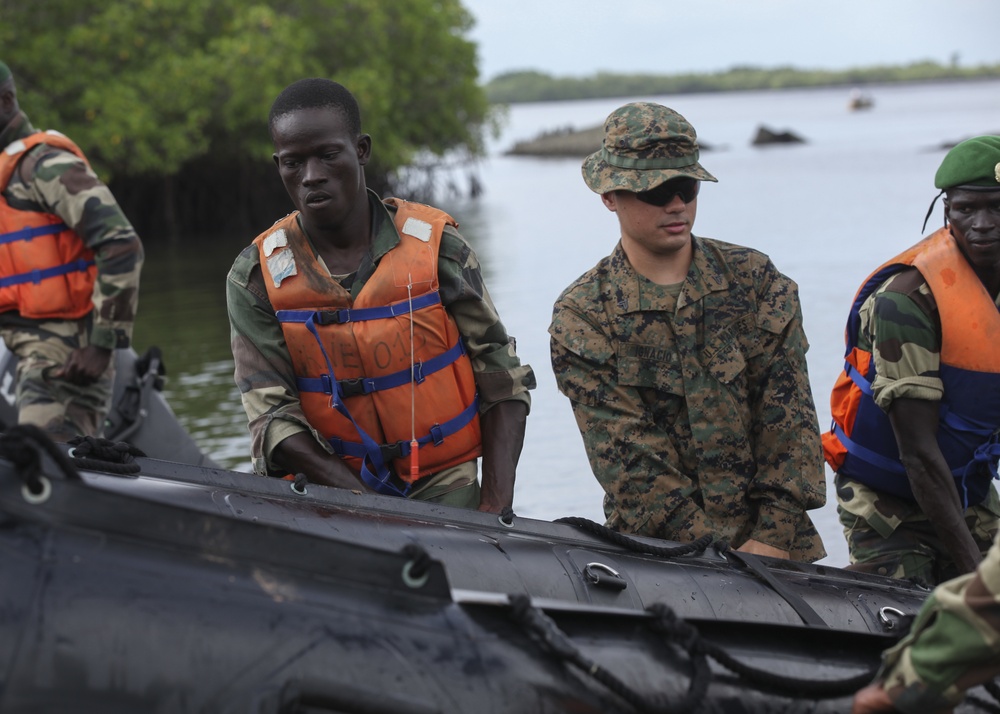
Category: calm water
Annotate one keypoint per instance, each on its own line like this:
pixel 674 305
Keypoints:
pixel 826 212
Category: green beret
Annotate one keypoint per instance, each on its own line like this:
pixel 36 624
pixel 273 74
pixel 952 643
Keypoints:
pixel 973 162
pixel 5 72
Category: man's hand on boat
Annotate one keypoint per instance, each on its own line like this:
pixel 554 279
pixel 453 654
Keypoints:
pixel 300 453
pixel 84 365
pixel 872 699
pixel 755 547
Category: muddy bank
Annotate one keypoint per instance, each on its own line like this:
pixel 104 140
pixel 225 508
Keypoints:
pixel 567 142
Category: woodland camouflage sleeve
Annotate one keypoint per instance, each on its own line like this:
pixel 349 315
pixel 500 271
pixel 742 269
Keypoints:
pixel 263 370
pixel 953 645
pixel 899 323
pixel 67 187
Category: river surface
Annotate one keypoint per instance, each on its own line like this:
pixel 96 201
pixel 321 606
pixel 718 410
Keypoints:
pixel 826 212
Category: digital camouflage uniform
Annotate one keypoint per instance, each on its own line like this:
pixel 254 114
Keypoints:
pixel 264 371
pixel 695 409
pixel 886 534
pixel 953 645
pixel 55 181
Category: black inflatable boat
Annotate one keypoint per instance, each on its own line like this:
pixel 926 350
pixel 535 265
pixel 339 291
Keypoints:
pixel 134 584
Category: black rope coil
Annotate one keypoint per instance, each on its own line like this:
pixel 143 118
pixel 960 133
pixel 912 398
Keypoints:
pixel 103 455
pixel 696 547
pixel 23 445
pixel 555 641
pixel 676 631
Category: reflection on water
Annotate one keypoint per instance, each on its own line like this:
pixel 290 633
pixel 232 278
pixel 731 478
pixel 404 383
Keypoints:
pixel 826 212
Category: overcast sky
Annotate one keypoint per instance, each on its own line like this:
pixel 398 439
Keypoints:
pixel 580 37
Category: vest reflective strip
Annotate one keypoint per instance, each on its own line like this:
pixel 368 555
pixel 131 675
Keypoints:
pixel 339 317
pixel 402 449
pixel 37 276
pixel 29 233
pixel 367 385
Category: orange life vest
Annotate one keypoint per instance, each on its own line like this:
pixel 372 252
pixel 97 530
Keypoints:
pixel 46 271
pixel 352 357
pixel 862 444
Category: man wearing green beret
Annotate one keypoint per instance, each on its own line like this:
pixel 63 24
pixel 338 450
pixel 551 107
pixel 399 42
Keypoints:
pixel 916 410
pixel 69 275
pixel 684 360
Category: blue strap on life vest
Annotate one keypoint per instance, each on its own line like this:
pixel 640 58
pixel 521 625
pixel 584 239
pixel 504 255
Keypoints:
pixel 859 379
pixel 865 454
pixel 366 385
pixel 339 317
pixel 401 449
pixel 987 453
pixel 37 276
pixel 374 471
pixel 29 233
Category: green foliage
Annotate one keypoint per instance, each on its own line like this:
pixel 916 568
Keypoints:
pixel 147 87
pixel 532 86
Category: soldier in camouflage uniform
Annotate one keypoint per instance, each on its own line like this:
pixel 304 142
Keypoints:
pixel 684 360
pixel 923 507
pixel 65 369
pixel 320 153
pixel 953 645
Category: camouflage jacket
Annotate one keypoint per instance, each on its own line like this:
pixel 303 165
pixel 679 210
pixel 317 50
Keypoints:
pixel 954 643
pixel 899 325
pixel 55 181
pixel 264 371
pixel 696 412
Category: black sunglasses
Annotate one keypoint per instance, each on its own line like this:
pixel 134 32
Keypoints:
pixel 685 187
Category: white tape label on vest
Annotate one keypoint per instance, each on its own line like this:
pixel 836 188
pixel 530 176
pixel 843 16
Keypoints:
pixel 281 265
pixel 421 230
pixel 278 239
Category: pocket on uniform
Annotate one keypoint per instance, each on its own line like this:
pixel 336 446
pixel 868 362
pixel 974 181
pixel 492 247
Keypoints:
pixel 726 363
pixel 650 367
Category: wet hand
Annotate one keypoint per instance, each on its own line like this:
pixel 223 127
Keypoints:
pixel 85 365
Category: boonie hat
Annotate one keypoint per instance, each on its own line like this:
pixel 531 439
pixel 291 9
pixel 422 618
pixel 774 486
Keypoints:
pixel 5 72
pixel 973 163
pixel 645 144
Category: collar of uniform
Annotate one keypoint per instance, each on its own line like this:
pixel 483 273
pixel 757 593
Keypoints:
pixel 385 237
pixel 704 276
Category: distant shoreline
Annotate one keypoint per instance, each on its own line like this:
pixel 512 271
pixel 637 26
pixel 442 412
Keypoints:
pixel 570 142
pixel 532 86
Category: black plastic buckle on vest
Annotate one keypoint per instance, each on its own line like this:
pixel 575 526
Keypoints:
pixel 391 452
pixel 355 387
pixel 332 317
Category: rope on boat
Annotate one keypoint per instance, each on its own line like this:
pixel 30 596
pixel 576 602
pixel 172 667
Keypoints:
pixel 684 635
pixel 993 689
pixel 23 445
pixel 696 547
pixel 97 454
pixel 801 607
pixel 674 628
pixel 555 641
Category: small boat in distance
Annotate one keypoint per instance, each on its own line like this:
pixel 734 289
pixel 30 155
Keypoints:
pixel 859 100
